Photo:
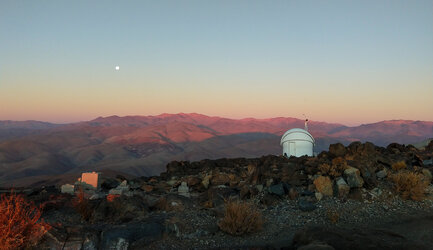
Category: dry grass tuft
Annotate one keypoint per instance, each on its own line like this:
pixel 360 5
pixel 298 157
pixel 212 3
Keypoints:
pixel 324 168
pixel 333 216
pixel 21 225
pixel 82 205
pixel 410 185
pixel 397 166
pixel 240 218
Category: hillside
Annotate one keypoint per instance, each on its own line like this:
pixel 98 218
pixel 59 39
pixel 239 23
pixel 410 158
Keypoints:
pixel 345 198
pixel 143 145
pixel 15 129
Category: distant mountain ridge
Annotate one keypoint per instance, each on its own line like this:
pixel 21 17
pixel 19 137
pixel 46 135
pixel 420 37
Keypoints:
pixel 14 129
pixel 143 145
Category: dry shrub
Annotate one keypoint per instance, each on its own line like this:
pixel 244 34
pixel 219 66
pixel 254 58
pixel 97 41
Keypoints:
pixel 208 204
pixel 397 166
pixel 339 164
pixel 82 205
pixel 21 225
pixel 337 168
pixel 410 185
pixel 333 216
pixel 240 218
pixel 210 198
pixel 324 168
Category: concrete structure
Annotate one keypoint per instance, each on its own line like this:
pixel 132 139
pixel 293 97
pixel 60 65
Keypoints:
pixel 297 142
pixel 92 179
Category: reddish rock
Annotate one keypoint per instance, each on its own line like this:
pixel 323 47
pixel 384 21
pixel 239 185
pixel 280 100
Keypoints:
pixel 111 197
pixel 293 194
pixel 147 188
pixel 324 185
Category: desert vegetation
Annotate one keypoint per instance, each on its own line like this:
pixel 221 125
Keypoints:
pixel 21 225
pixel 240 218
pixel 409 185
pixel 82 205
pixel 397 166
pixel 335 169
pixel 223 203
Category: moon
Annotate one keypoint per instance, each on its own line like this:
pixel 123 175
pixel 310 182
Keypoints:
pixel 117 67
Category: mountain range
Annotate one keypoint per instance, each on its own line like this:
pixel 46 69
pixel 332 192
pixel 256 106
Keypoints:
pixel 33 151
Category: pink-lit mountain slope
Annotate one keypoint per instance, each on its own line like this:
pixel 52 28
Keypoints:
pixel 143 145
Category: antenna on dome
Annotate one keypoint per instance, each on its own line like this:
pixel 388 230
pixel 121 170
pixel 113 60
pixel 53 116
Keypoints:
pixel 306 122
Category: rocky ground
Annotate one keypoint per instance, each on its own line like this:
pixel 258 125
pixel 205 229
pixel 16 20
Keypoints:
pixel 343 198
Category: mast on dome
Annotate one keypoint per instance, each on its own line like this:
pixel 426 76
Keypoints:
pixel 306 123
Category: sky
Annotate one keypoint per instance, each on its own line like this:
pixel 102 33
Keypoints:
pixel 350 62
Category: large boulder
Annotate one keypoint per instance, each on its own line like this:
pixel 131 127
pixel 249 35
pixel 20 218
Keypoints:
pixel 67 189
pixel 305 205
pixel 395 148
pixel 337 149
pixel 342 189
pixel 324 185
pixel 277 189
pixel 220 179
pixel 382 173
pixel 353 177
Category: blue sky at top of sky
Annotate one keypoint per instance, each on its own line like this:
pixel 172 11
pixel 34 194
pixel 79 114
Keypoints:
pixel 338 61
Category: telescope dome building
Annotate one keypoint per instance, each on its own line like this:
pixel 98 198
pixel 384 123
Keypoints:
pixel 297 142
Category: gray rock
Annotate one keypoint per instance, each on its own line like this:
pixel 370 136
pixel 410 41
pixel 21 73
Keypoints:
pixel 121 237
pixel 342 188
pixel 306 206
pixel 90 242
pixel 319 196
pixel 67 189
pixel 427 162
pixel 376 192
pixel 307 193
pixel 353 177
pixel 286 187
pixel 123 188
pixel 277 189
pixel 381 174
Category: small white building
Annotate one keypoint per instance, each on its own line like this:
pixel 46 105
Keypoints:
pixel 297 142
pixel 91 179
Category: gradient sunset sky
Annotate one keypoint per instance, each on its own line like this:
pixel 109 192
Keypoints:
pixel 350 62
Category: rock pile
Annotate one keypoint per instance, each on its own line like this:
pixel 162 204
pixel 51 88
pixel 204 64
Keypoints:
pixel 357 172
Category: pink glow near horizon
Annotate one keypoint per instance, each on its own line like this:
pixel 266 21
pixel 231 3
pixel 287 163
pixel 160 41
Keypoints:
pixel 348 62
pixel 72 118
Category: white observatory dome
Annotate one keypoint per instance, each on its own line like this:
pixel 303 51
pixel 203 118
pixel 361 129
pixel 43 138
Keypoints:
pixel 297 142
